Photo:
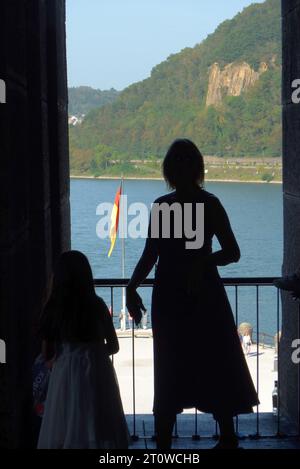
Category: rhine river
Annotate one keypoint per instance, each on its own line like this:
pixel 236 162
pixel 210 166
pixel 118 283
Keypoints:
pixel 256 214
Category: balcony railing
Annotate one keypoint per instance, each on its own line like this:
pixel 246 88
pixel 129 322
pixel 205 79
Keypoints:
pixel 261 339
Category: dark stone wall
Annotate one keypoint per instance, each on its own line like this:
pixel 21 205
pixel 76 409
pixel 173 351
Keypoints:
pixel 291 177
pixel 34 191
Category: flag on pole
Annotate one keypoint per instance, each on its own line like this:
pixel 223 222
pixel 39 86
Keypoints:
pixel 114 220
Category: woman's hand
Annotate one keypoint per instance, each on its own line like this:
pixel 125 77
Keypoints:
pixel 134 304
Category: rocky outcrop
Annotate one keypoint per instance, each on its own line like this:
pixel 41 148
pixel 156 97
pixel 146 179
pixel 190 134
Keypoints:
pixel 232 81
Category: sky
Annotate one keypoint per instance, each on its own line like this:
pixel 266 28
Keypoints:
pixel 114 43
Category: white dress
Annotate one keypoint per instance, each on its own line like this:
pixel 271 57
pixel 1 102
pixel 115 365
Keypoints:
pixel 83 407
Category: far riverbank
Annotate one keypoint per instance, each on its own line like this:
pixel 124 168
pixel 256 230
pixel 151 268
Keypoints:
pixel 146 178
pixel 246 170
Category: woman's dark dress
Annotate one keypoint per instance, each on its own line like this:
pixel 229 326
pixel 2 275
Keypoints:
pixel 198 359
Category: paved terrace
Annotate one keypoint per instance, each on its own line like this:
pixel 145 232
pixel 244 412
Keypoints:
pixel 247 426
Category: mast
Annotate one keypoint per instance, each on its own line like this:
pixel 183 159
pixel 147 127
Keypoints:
pixel 123 246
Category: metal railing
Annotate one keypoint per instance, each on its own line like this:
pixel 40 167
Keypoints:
pixel 256 283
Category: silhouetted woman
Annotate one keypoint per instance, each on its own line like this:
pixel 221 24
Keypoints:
pixel 190 309
pixel 83 406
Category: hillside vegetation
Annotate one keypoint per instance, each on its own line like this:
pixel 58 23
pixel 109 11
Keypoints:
pixel 144 118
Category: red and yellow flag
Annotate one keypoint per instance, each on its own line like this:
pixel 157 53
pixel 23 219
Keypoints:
pixel 114 220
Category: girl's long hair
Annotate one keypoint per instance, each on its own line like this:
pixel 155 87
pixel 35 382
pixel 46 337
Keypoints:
pixel 72 310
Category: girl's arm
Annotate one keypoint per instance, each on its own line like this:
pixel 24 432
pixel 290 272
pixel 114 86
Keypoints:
pixel 110 335
pixel 48 350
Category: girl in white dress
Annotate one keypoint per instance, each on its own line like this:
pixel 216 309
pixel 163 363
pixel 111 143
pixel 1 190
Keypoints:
pixel 83 407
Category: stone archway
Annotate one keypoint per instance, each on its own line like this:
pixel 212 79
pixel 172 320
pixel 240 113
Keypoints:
pixel 34 191
pixel 291 194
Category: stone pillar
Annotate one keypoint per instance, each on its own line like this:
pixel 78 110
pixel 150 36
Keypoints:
pixel 34 191
pixel 291 187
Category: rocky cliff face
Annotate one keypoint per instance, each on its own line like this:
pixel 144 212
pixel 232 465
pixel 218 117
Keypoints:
pixel 232 81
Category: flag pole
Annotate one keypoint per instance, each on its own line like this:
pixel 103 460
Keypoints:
pixel 123 248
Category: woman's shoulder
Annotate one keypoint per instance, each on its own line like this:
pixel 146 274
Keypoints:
pixel 170 197
pixel 209 196
pixel 203 196
pixel 173 196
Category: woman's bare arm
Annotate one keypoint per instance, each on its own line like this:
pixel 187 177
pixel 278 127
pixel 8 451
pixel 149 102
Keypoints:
pixel 145 264
pixel 230 251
